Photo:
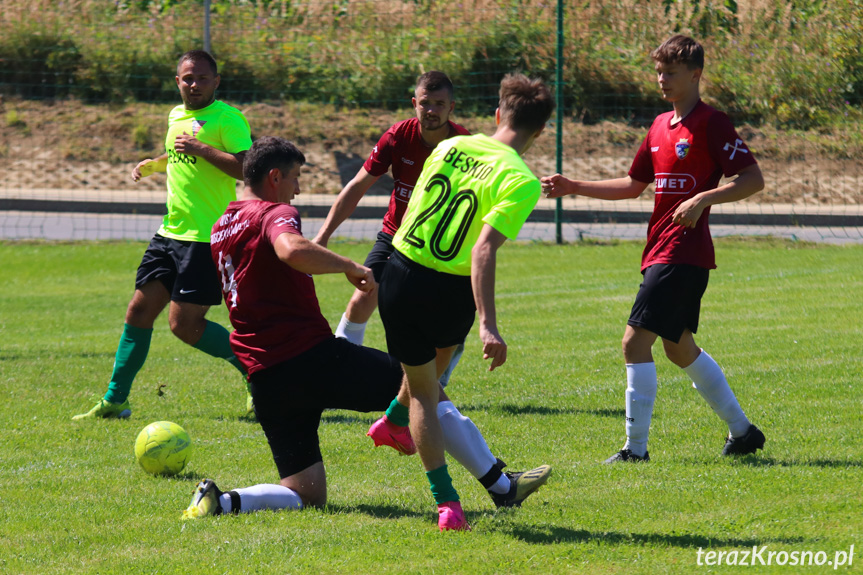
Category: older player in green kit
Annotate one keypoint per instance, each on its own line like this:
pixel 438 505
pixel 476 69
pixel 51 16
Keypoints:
pixel 203 158
pixel 473 194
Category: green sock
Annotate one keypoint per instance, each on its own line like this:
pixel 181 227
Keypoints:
pixel 398 413
pixel 441 485
pixel 215 341
pixel 128 361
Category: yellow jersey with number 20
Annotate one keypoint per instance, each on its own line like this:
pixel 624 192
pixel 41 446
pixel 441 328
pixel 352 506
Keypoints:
pixel 468 181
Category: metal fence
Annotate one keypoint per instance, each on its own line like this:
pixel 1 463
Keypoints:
pixel 85 87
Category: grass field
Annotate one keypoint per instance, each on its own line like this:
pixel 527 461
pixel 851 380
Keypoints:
pixel 783 320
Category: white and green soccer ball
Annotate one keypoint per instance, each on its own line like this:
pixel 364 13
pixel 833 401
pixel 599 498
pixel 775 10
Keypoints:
pixel 163 448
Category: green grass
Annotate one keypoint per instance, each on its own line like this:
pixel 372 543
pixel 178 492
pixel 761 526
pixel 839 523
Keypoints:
pixel 782 319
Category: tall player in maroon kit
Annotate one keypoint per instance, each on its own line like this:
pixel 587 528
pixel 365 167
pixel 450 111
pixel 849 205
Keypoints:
pixel 404 149
pixel 296 367
pixel 685 154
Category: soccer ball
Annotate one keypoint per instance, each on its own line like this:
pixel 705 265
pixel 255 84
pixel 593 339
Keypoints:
pixel 163 448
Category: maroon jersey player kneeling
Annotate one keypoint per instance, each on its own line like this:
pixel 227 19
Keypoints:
pixel 685 154
pixel 296 367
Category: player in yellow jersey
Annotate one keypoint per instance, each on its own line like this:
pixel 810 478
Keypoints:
pixel 203 158
pixel 473 194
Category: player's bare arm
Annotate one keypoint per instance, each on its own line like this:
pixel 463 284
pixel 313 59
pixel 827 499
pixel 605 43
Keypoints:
pixel 310 258
pixel 150 166
pixel 626 188
pixel 231 164
pixel 484 263
pixel 749 181
pixel 345 204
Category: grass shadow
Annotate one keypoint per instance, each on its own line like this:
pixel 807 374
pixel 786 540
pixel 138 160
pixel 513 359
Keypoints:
pixel 514 409
pixel 376 511
pixel 184 476
pixel 761 461
pixel 554 535
pixel 53 355
pixel 241 418
pixel 350 419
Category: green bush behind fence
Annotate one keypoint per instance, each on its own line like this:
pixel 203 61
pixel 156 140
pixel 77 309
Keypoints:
pixel 792 64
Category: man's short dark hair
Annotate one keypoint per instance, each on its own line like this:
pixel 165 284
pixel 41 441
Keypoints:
pixel 435 80
pixel 267 153
pixel 680 49
pixel 525 103
pixel 198 56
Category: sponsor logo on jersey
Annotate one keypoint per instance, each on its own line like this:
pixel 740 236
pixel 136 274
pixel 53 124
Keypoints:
pixel 654 148
pixel 288 222
pixel 667 183
pixel 175 158
pixel 402 192
pixel 230 227
pixel 408 162
pixel 196 126
pixel 681 148
pixel 737 146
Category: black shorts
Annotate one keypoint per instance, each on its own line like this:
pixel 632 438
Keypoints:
pixel 669 300
pixel 381 252
pixel 186 269
pixel 336 374
pixel 423 309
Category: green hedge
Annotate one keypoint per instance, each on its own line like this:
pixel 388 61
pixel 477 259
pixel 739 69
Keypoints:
pixel 794 64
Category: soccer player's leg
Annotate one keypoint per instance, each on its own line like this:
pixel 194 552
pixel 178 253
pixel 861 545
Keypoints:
pixel 655 313
pixel 365 379
pixel 352 325
pixel 424 388
pixel 196 288
pixel 690 283
pixel 208 499
pixel 466 444
pixel 641 384
pixel 710 382
pixel 411 338
pixel 453 362
pixel 289 411
pixel 392 428
pixel 147 303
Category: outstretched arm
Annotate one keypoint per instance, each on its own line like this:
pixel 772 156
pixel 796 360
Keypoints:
pixel 345 204
pixel 310 258
pixel 231 164
pixel 748 181
pixel 149 167
pixel 557 186
pixel 484 263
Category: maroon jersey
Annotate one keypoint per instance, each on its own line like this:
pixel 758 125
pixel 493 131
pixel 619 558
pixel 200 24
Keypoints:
pixel 272 306
pixel 683 160
pixel 403 148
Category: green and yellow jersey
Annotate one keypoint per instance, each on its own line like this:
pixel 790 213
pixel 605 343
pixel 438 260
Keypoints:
pixel 198 191
pixel 467 181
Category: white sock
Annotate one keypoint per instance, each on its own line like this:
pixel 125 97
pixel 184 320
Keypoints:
pixel 708 379
pixel 463 440
pixel 264 496
pixel 501 486
pixel 351 331
pixel 456 356
pixel 640 396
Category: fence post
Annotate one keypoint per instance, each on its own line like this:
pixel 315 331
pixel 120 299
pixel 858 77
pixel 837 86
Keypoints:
pixel 207 44
pixel 558 209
